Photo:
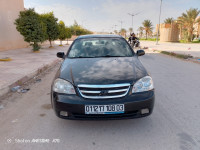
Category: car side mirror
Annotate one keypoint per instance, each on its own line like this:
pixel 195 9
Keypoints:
pixel 61 55
pixel 140 52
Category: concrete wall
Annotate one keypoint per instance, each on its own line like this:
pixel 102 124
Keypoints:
pixel 169 32
pixel 10 38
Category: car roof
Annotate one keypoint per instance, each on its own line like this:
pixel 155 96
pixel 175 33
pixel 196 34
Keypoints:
pixel 99 36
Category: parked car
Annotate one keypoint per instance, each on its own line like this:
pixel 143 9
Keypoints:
pixel 101 77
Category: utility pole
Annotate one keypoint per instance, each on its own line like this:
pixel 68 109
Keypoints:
pixel 158 31
pixel 132 15
pixel 115 26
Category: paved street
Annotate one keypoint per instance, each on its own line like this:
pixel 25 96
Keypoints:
pixel 174 124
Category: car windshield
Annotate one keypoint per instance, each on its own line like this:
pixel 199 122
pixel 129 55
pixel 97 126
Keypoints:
pixel 100 47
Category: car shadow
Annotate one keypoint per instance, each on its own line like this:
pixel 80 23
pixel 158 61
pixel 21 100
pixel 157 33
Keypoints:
pixel 110 126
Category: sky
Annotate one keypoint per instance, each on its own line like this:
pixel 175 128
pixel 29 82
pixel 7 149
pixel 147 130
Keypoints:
pixel 103 15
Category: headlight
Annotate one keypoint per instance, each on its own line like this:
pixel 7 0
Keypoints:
pixel 144 84
pixel 63 86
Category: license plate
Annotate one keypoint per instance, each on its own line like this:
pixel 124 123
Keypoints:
pixel 104 109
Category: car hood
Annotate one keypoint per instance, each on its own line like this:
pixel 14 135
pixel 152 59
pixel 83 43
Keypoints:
pixel 112 70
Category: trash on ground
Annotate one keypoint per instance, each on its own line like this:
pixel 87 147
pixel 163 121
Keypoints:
pixel 190 56
pixel 16 88
pixel 16 120
pixel 5 59
pixel 198 59
pixel 19 90
pixel 1 107
pixel 38 80
pixel 25 90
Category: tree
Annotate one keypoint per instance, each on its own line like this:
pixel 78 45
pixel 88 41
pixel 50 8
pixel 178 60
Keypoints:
pixel 140 30
pixel 62 32
pixel 188 20
pixel 76 29
pixel 169 20
pixel 52 26
pixel 69 34
pixel 148 27
pixel 31 27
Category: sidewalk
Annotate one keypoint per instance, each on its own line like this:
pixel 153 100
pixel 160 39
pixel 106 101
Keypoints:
pixel 25 64
pixel 180 48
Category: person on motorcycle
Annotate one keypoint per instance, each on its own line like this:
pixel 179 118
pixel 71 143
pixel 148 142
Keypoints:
pixel 134 39
pixel 129 39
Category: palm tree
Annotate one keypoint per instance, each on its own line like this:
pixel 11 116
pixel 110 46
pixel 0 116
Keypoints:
pixel 169 20
pixel 130 30
pixel 188 20
pixel 148 27
pixel 140 30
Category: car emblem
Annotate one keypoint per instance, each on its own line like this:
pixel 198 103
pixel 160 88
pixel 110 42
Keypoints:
pixel 103 92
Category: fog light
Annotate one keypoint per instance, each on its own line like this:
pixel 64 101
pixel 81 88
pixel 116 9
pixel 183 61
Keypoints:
pixel 144 111
pixel 64 113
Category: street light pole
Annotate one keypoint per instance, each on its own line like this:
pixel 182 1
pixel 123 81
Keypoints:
pixel 132 15
pixel 158 31
pixel 121 23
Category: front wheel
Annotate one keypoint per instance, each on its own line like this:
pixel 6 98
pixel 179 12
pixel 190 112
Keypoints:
pixel 132 45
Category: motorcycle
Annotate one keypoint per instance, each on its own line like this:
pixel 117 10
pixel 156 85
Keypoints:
pixel 135 43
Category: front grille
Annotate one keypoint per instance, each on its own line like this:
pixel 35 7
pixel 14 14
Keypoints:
pixel 103 91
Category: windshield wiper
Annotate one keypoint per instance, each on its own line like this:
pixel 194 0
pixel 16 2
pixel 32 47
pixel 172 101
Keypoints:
pixel 83 57
pixel 98 56
pixel 111 56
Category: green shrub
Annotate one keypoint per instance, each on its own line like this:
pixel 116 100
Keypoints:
pixel 31 27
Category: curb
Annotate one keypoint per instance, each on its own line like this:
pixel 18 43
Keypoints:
pixel 188 57
pixel 26 78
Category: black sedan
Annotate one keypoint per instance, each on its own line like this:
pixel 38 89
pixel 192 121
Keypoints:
pixel 101 77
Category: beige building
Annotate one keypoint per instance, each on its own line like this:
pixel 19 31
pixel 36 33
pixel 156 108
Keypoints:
pixel 10 38
pixel 169 32
pixel 197 28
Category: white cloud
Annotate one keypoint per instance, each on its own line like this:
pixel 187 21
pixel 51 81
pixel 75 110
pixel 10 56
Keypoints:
pixel 104 14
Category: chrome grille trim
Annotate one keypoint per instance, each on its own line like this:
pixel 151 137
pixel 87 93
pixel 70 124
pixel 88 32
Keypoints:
pixel 115 91
pixel 82 91
pixel 95 90
pixel 104 86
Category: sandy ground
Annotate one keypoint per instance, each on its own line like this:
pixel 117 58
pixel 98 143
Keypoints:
pixel 180 48
pixel 25 64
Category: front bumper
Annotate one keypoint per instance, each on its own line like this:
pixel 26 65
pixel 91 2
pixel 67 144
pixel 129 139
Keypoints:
pixel 74 105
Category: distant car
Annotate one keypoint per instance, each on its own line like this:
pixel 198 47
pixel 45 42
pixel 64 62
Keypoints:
pixel 101 77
